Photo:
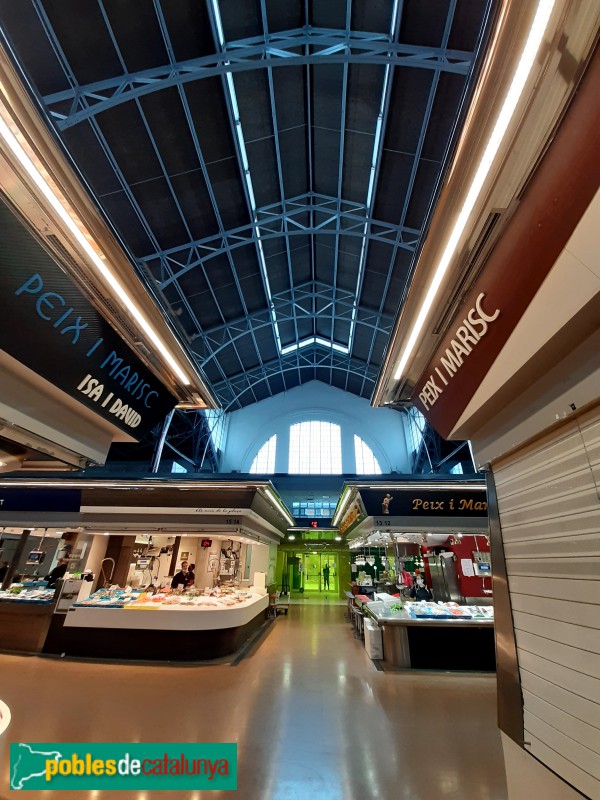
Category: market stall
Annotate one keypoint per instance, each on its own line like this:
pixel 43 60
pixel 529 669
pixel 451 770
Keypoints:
pixel 134 541
pixel 427 635
pixel 171 627
pixel 25 617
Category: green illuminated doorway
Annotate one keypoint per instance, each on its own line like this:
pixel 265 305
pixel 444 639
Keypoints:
pixel 313 575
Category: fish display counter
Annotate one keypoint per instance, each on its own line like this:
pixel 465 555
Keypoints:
pixel 126 624
pixel 428 635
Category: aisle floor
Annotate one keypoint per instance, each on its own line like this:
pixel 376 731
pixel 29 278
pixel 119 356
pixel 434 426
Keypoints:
pixel 312 716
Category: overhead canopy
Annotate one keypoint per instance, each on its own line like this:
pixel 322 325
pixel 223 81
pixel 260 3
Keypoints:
pixel 269 166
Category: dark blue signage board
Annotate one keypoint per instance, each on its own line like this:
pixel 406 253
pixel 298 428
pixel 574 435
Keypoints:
pixel 425 502
pixel 39 500
pixel 50 327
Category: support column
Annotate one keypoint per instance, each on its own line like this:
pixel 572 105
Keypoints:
pixel 10 572
pixel 282 453
pixel 348 457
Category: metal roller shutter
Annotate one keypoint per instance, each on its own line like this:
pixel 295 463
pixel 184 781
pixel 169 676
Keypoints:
pixel 548 499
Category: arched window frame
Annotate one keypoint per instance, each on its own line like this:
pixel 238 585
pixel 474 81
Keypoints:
pixel 315 448
pixel 264 460
pixel 364 457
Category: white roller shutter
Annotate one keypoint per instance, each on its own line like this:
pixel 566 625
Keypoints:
pixel 548 499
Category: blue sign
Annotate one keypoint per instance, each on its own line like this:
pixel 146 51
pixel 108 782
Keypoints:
pixel 48 325
pixel 40 500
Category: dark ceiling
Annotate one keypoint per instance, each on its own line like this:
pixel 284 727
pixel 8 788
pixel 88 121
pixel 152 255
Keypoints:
pixel 270 165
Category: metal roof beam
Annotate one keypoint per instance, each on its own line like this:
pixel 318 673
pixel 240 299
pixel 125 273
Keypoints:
pixel 312 358
pixel 336 256
pixel 376 158
pixel 200 156
pixel 225 335
pixel 309 142
pixel 305 292
pixel 263 12
pixel 416 160
pixel 331 46
pixel 190 255
pixel 227 82
pixel 166 267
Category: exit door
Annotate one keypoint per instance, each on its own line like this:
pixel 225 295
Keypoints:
pixel 316 567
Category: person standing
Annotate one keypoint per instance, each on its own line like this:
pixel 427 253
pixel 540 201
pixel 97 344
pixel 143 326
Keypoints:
pixel 181 578
pixel 57 573
pixel 191 576
pixel 326 576
pixel 420 591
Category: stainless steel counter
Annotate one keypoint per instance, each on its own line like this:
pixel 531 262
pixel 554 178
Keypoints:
pixel 400 647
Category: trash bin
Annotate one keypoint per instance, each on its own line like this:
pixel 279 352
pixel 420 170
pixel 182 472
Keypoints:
pixel 373 640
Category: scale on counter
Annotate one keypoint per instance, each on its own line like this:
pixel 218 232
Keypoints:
pixel 482 564
pixel 36 557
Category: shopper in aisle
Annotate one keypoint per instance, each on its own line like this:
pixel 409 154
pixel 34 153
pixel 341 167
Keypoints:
pixel 420 592
pixel 181 578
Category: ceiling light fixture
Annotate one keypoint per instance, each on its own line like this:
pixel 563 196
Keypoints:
pixel 338 538
pixel 279 505
pixel 534 39
pixel 341 508
pixel 38 179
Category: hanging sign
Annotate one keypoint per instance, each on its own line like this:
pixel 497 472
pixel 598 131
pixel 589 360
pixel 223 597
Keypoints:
pixel 387 505
pixel 551 206
pixel 50 327
pixel 448 362
pixel 39 500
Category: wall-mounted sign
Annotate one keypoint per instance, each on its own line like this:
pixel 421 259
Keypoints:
pixel 350 518
pixel 549 209
pixel 448 363
pixel 385 505
pixel 39 500
pixel 50 327
pixel 230 517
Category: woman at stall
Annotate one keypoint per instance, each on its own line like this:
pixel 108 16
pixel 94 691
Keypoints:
pixel 421 592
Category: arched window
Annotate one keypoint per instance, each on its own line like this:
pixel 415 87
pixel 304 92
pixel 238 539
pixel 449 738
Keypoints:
pixel 264 461
pixel 366 463
pixel 315 448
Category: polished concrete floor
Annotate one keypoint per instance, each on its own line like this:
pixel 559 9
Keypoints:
pixel 313 718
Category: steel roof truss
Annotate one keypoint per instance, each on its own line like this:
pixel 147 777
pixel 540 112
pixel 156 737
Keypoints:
pixel 282 48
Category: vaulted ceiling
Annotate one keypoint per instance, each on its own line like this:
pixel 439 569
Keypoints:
pixel 269 165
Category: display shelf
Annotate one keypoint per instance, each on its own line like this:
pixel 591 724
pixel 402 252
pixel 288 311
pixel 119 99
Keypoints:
pixel 161 617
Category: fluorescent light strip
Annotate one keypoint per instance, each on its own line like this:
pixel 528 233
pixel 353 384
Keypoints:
pixel 362 261
pixel 290 348
pixel 340 510
pixel 239 133
pixel 81 239
pixel 534 39
pixel 279 505
pixel 125 485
